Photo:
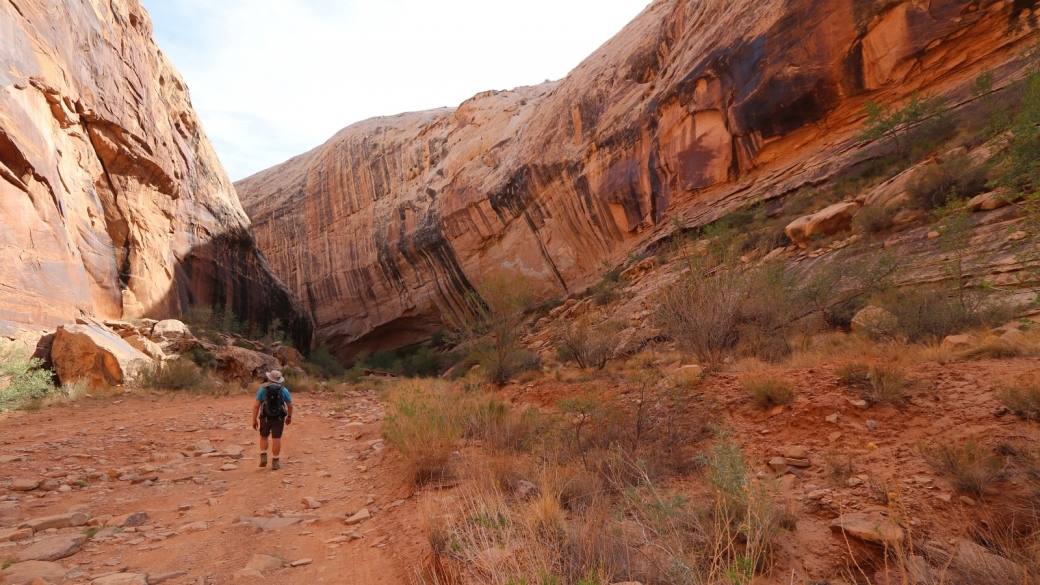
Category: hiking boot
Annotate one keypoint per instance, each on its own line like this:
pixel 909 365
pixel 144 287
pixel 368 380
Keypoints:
pixel 263 460
pixel 275 465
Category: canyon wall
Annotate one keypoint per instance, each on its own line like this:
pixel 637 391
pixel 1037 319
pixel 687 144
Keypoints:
pixel 695 109
pixel 113 203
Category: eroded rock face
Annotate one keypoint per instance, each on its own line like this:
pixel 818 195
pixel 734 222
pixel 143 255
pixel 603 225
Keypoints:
pixel 694 110
pixel 112 201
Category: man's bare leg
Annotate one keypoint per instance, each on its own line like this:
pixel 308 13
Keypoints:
pixel 276 446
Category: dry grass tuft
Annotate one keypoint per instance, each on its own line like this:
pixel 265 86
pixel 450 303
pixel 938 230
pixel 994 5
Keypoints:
pixel 1021 399
pixel 968 465
pixel 767 390
pixel 877 383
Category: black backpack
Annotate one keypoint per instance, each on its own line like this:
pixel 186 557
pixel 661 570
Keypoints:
pixel 274 402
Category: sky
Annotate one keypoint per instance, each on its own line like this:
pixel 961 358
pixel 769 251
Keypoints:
pixel 275 78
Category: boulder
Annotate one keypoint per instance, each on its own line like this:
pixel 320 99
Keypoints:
pixel 247 574
pixel 238 364
pixel 51 549
pixel 90 352
pixel 638 269
pixel 958 342
pixel 264 563
pixel 869 527
pixel 892 193
pixel 977 562
pixel 287 356
pixel 15 534
pixel 687 373
pixel 157 578
pixel 829 221
pixel 25 572
pixel 875 322
pixel 991 200
pixel 145 346
pixel 169 330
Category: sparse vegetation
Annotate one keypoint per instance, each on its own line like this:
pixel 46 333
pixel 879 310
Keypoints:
pixel 1022 399
pixel 968 465
pixel 22 379
pixel 955 177
pixel 768 391
pixel 876 383
pixel 491 323
pixel 423 430
pixel 840 468
pixel 178 374
pixel 324 363
pixel 589 343
pixel 921 115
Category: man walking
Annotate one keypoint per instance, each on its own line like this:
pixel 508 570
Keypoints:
pixel 274 408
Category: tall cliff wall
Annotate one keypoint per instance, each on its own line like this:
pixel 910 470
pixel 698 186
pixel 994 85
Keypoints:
pixel 693 110
pixel 112 200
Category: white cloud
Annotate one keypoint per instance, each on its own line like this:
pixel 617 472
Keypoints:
pixel 274 78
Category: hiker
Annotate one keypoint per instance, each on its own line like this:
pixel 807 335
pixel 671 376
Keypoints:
pixel 274 408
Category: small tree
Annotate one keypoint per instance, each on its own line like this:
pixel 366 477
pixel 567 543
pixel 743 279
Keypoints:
pixel 491 321
pixel 22 379
pixel 884 121
pixel 589 343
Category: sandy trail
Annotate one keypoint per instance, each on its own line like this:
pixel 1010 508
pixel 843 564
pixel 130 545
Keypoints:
pixel 136 433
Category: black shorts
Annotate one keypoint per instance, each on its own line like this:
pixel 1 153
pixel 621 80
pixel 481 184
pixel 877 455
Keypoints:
pixel 272 427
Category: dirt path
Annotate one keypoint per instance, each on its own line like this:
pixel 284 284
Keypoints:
pixel 154 435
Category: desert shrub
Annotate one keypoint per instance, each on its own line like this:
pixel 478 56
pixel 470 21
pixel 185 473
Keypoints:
pixel 840 468
pixel 495 422
pixel 200 358
pixel 178 374
pixel 22 379
pixel 1022 399
pixel 1020 169
pixel 921 117
pixel 955 177
pixel 968 465
pixel 994 348
pixel 874 219
pixel 589 343
pixel 854 374
pixel 325 363
pixel 422 427
pixel 490 324
pixel 930 314
pixel 768 391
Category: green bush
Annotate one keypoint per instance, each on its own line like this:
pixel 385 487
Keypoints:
pixel 930 314
pixel 22 379
pixel 956 177
pixel 874 219
pixel 326 364
pixel 921 116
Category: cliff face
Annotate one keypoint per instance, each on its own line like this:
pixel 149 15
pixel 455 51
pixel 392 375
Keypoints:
pixel 112 200
pixel 693 110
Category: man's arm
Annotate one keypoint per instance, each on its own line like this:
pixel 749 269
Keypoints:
pixel 256 411
pixel 288 418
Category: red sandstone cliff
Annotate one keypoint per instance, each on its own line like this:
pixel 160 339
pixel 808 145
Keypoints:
pixel 693 110
pixel 112 200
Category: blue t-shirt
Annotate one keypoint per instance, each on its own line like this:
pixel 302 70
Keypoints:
pixel 285 394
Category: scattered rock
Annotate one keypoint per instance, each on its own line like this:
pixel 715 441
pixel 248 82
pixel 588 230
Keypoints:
pixel 247 574
pixel 990 201
pixel 778 463
pixel 15 534
pixel 50 484
pixel 270 524
pixel 638 269
pixel 264 563
pixel 301 562
pixel 24 484
pixel 871 425
pixel 967 501
pixel 860 404
pixel 832 418
pixel 234 451
pixel 157 578
pixel 311 503
pixel 362 515
pixel 228 467
pixel 869 527
pixel 688 373
pixel 59 521
pixel 26 572
pixel 128 520
pixel 976 560
pixel 121 579
pixel 796 452
pixel 51 549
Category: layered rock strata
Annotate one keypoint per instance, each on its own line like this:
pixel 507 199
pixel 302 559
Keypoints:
pixel 113 203
pixel 695 109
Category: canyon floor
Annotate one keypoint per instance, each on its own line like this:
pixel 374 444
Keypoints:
pixel 171 456
pixel 156 435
